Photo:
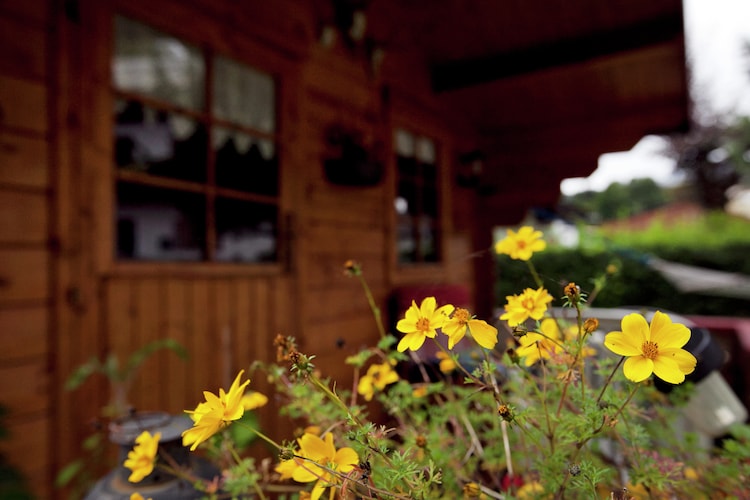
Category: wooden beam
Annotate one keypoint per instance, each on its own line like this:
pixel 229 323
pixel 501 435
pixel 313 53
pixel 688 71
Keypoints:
pixel 469 72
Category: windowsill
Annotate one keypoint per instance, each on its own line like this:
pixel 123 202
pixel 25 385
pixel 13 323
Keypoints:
pixel 192 269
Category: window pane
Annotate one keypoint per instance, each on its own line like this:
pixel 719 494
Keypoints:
pixel 429 190
pixel 407 191
pixel 404 143
pixel 245 231
pixel 245 163
pixel 159 143
pixel 154 64
pixel 244 95
pixel 406 241
pixel 425 150
pixel 428 240
pixel 159 224
pixel 407 166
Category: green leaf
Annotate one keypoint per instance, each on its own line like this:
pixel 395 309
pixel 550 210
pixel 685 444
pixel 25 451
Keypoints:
pixel 70 471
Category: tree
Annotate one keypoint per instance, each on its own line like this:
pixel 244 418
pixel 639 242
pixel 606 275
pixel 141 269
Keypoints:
pixel 616 202
pixel 712 157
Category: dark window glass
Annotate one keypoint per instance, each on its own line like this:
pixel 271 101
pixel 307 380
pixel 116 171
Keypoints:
pixel 246 231
pixel 406 241
pixel 159 143
pixel 159 224
pixel 154 64
pixel 417 199
pixel 428 240
pixel 245 163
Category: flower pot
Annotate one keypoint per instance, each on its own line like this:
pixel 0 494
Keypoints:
pixel 160 484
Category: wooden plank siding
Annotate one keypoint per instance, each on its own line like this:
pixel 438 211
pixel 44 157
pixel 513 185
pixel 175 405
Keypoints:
pixel 221 322
pixel 65 298
pixel 25 257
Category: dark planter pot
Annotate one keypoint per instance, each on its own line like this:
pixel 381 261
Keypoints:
pixel 159 485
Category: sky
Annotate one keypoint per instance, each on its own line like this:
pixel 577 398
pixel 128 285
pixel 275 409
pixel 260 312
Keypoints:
pixel 714 32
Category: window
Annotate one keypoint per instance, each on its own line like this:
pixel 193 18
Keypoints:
pixel 195 152
pixel 417 202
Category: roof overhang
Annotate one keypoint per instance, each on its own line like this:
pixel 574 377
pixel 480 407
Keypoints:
pixel 549 86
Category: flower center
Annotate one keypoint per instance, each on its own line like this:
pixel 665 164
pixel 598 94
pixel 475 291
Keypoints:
pixel 521 244
pixel 423 324
pixel 650 349
pixel 461 315
pixel 528 304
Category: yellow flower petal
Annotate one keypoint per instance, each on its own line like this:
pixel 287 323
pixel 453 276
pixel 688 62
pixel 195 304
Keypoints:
pixel 623 344
pixel 667 334
pixel 307 472
pixel 317 490
pixel 286 468
pixel 483 333
pixel 668 370
pixel 141 458
pixel 638 368
pixel 411 341
pixel 345 460
pixel 428 306
pixel 685 360
pixel 254 400
pixel 635 326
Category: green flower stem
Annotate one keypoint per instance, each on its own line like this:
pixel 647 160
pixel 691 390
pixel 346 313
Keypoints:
pixel 459 365
pixel 582 443
pixel 238 459
pixel 630 396
pixel 335 399
pixel 418 361
pixel 506 447
pixel 550 430
pixel 534 274
pixel 609 379
pixel 576 360
pixel 259 434
pixel 373 306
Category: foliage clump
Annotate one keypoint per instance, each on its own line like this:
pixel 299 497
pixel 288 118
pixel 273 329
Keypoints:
pixel 541 407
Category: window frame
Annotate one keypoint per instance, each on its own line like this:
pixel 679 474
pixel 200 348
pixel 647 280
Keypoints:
pixel 209 189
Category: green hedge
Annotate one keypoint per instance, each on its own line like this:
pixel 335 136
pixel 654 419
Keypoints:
pixel 633 283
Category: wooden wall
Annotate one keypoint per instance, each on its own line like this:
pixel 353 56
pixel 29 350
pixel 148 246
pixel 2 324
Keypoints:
pixel 25 256
pixel 64 298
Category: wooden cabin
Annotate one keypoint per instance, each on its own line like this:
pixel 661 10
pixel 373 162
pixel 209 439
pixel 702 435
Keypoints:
pixel 201 170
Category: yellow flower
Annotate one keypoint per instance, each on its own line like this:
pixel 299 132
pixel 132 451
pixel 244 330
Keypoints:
pixel 142 457
pixel 421 322
pixel 286 468
pixel 319 459
pixel 653 349
pixel 529 304
pixel 535 346
pixel 419 391
pixel 484 334
pixel 447 364
pixel 473 490
pixel 521 245
pixel 377 377
pixel 253 400
pixel 216 412
pixel 137 496
pixel 530 490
